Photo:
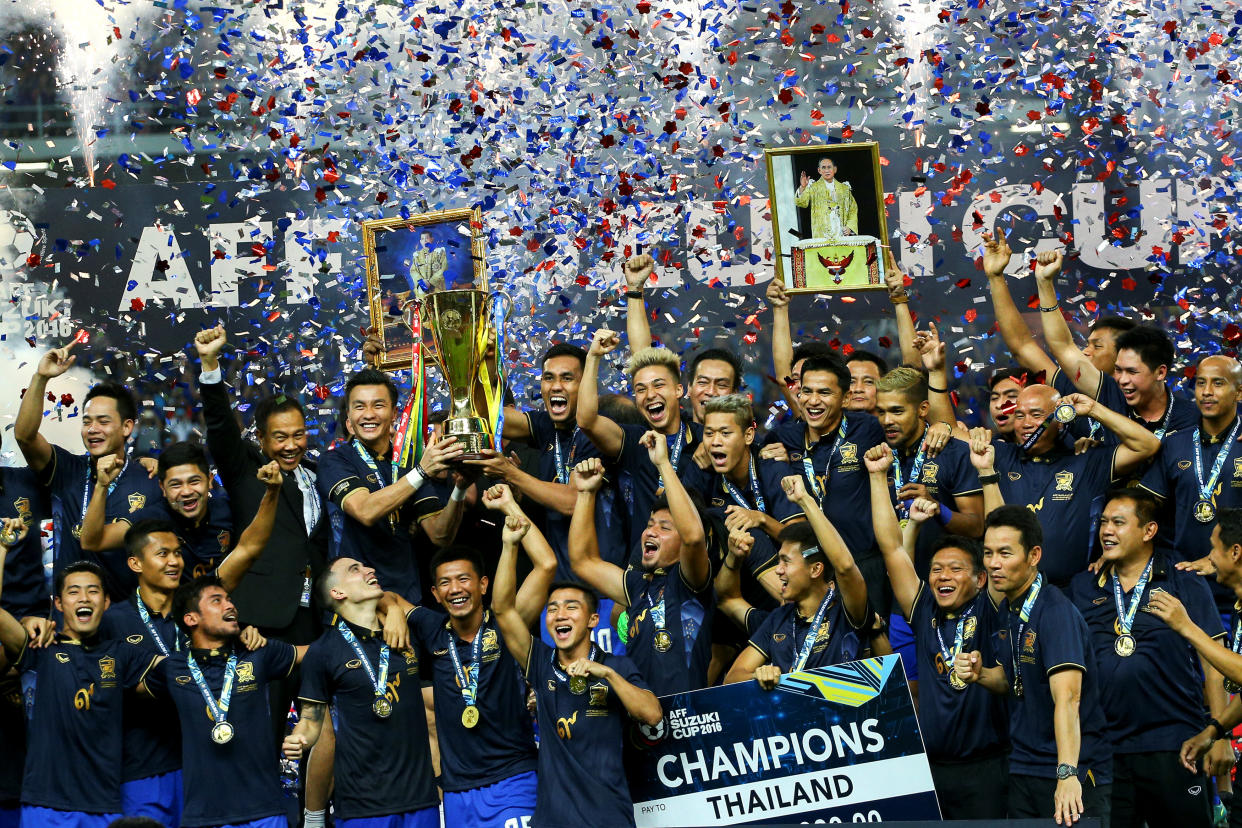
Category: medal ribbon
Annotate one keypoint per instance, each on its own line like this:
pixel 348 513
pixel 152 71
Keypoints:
pixel 1168 413
pixel 366 458
pixel 916 471
pixel 1236 643
pixel 86 486
pixel 145 615
pixel 561 676
pixel 1039 432
pixel 754 490
pixel 407 446
pixel 1024 615
pixel 493 392
pixel 219 709
pixel 1206 489
pixel 1125 615
pixel 812 634
pixel 468 680
pixel 562 468
pixel 380 682
pixel 657 608
pixel 959 638
pixel 808 467
pixel 674 451
pixel 310 497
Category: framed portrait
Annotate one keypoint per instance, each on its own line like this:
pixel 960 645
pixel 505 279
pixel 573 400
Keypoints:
pixel 828 217
pixel 409 258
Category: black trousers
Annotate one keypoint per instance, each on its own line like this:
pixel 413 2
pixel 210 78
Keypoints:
pixel 1031 797
pixel 1154 789
pixel 972 790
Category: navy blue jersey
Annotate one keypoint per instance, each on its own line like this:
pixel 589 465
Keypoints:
pixel 1173 479
pixel 840 479
pixel 65 475
pixel 502 744
pixel 1055 638
pixel 948 475
pixel 1154 698
pixel 957 725
pixel 12 741
pixel 634 465
pixel 152 739
pixel 1066 492
pixel 1108 393
pixel 23 498
pixel 205 545
pixel 581 777
pixel 574 446
pixel 780 638
pixel 382 766
pixel 74 697
pixel 672 657
pixel 238 781
pixel 386 545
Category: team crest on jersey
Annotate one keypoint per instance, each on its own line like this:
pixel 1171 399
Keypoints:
pixel 245 671
pixel 929 472
pixel 490 642
pixel 22 505
pixel 136 502
pixel 134 639
pixel 353 665
pixel 599 695
pixel 63 658
pixel 223 538
pixel 1028 642
pixel 849 453
pixel 107 668
pixel 1065 481
pixel 969 627
pixel 1237 467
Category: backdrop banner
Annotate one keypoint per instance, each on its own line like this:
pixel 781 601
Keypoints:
pixel 837 744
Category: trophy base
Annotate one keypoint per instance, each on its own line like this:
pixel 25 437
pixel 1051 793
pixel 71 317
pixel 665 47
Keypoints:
pixel 471 434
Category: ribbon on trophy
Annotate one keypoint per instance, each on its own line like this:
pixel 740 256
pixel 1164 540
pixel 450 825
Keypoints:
pixel 407 446
pixel 494 391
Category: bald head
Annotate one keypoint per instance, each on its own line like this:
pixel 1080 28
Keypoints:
pixel 1035 403
pixel 1218 383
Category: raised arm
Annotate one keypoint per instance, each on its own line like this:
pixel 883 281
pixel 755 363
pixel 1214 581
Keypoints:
pixel 901 573
pixel 932 355
pixel 782 342
pixel 983 458
pixel 224 437
pixel 35 447
pixel 531 595
pixel 696 567
pixel 97 533
pixel 516 632
pixel 369 508
pixel 850 581
pixel 1013 327
pixel 12 633
pixel 728 584
pixel 255 537
pixel 1137 443
pixel 604 433
pixel 895 280
pixel 637 329
pixel 584 559
pixel 558 497
pixel 1060 341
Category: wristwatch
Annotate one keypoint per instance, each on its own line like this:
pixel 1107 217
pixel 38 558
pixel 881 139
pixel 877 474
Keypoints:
pixel 1065 771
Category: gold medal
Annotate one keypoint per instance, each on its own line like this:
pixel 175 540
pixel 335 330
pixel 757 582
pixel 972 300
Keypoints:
pixel 222 733
pixel 663 641
pixel 956 681
pixel 1232 687
pixel 1064 413
pixel 578 685
pixel 470 716
pixel 1204 511
pixel 382 707
pixel 1125 645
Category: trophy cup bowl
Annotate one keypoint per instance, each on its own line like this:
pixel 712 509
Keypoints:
pixel 460 329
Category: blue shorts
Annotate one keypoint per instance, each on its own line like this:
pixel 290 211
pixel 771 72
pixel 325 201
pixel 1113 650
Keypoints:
pixel 426 818
pixel 157 797
pixel 509 803
pixel 901 637
pixel 34 816
pixel 263 822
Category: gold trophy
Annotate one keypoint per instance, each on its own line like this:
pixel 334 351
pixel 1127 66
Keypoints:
pixel 460 326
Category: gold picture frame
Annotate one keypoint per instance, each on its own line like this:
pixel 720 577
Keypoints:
pixel 403 264
pixel 827 238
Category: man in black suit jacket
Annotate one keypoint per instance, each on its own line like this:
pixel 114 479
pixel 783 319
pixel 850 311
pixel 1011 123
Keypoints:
pixel 275 595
